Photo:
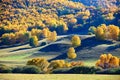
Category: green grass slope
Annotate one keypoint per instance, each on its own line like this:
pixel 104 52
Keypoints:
pixel 89 51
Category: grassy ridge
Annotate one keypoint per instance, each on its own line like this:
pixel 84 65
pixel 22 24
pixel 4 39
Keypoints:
pixel 88 52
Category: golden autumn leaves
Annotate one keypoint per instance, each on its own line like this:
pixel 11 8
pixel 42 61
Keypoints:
pixel 107 32
pixel 75 43
pixel 108 61
pixel 46 66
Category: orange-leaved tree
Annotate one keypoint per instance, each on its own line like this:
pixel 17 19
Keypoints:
pixel 76 41
pixel 108 61
pixel 71 53
pixel 42 63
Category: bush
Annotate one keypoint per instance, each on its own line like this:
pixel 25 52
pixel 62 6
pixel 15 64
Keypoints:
pixel 84 70
pixel 43 43
pixel 17 70
pixel 61 71
pixel 31 70
pixel 109 71
pixel 5 69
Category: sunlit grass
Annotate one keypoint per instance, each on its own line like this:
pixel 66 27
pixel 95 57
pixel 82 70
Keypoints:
pixel 57 77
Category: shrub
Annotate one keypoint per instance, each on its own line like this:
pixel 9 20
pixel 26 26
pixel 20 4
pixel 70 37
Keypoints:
pixel 84 70
pixel 92 30
pixel 17 70
pixel 31 70
pixel 61 71
pixel 109 71
pixel 43 43
pixel 5 69
pixel 107 32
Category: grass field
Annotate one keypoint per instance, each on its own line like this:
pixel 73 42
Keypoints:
pixel 57 77
pixel 88 53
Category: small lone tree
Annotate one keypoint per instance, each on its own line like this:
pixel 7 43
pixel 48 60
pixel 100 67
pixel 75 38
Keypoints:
pixel 33 41
pixel 71 53
pixel 76 41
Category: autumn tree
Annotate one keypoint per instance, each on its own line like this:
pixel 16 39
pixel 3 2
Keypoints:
pixel 73 21
pixel 33 41
pixel 76 63
pixel 71 53
pixel 100 33
pixel 8 38
pixel 109 16
pixel 42 63
pixel 114 31
pixel 36 32
pixel 107 32
pixel 56 64
pixel 45 32
pixel 52 36
pixel 108 61
pixel 76 41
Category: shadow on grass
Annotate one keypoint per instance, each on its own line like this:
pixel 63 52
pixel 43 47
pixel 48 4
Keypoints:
pixel 113 47
pixel 91 42
pixel 86 43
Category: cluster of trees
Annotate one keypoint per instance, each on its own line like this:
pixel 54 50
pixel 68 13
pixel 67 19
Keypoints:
pixel 61 16
pixel 46 66
pixel 35 16
pixel 106 32
pixel 108 61
pixel 12 38
pixel 28 36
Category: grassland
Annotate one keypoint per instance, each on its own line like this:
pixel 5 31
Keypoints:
pixel 57 77
pixel 87 52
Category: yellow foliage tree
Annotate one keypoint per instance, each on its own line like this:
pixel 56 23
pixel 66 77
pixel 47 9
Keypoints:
pixel 42 63
pixel 73 21
pixel 100 33
pixel 56 64
pixel 76 40
pixel 108 61
pixel 71 53
pixel 8 38
pixel 52 36
pixel 114 31
pixel 33 41
pixel 108 32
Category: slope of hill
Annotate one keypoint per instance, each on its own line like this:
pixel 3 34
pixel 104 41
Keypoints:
pixel 90 50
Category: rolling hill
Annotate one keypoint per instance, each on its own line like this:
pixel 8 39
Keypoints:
pixel 89 50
